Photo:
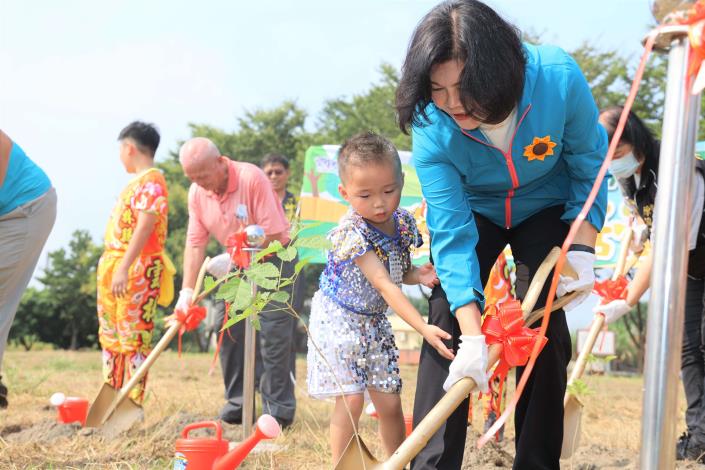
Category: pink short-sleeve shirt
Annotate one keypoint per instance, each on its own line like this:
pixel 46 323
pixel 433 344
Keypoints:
pixel 249 199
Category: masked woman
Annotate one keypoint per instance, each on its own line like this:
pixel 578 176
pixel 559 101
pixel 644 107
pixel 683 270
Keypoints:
pixel 635 165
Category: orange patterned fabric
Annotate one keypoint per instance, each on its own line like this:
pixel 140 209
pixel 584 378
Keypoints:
pixel 126 324
pixel 499 286
pixel 147 193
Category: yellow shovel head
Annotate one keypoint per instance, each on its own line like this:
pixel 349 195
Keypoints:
pixel 123 418
pixel 126 414
pixel 571 426
pixel 100 406
pixel 357 456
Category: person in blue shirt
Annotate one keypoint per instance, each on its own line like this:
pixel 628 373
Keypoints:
pixel 507 146
pixel 27 214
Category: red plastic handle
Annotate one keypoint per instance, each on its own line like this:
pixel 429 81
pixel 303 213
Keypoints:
pixel 204 424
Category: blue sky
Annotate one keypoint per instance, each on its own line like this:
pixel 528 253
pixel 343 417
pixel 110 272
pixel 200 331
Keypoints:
pixel 73 73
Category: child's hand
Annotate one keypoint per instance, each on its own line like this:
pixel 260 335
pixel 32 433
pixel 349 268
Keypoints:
pixel 427 275
pixel 119 285
pixel 435 336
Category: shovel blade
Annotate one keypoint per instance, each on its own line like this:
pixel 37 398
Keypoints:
pixel 100 406
pixel 571 426
pixel 357 456
pixel 123 418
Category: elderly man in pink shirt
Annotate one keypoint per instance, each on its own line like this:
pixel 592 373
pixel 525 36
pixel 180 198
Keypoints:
pixel 226 196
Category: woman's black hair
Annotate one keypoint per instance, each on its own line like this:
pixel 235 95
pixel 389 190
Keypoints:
pixel 636 133
pixel 490 49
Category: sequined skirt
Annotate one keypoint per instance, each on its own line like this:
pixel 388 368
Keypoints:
pixel 358 350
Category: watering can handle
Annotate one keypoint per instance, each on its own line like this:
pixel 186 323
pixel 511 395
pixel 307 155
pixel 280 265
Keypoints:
pixel 204 424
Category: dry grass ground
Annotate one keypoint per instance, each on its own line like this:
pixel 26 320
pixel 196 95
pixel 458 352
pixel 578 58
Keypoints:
pixel 181 392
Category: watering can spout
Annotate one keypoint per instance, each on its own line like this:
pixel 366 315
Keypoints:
pixel 266 428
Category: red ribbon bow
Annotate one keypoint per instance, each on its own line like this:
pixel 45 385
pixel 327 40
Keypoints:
pixel 189 320
pixel 504 324
pixel 236 244
pixel 611 290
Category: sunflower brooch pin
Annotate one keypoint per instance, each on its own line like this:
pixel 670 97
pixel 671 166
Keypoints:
pixel 540 148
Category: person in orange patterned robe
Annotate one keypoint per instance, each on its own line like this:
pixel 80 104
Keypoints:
pixel 134 273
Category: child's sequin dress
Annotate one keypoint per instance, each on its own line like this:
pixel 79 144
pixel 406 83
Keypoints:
pixel 348 316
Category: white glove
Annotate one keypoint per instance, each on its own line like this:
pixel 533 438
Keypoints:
pixel 583 264
pixel 184 301
pixel 470 361
pixel 219 265
pixel 614 310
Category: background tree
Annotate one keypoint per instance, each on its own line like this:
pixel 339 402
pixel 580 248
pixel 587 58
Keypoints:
pixel 31 320
pixel 372 110
pixel 70 294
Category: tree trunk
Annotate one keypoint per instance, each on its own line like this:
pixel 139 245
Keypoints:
pixel 74 336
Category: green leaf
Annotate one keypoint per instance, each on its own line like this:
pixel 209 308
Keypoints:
pixel 231 322
pixel 208 283
pixel 300 265
pixel 579 388
pixel 228 290
pixel 314 242
pixel 287 255
pixel 265 275
pixel 243 298
pixel 279 296
pixel 273 247
pixel 253 309
pixel 255 322
pixel 286 281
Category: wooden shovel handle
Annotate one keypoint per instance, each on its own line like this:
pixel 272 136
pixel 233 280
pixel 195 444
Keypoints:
pixel 599 319
pixel 619 269
pixel 462 388
pixel 154 354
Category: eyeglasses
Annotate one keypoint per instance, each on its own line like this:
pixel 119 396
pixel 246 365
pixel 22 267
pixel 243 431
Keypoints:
pixel 276 172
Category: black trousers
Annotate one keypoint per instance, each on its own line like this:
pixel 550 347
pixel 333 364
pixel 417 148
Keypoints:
pixel 539 414
pixel 693 359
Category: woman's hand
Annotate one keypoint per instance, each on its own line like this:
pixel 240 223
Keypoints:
pixel 435 336
pixel 427 275
pixel 120 278
pixel 583 263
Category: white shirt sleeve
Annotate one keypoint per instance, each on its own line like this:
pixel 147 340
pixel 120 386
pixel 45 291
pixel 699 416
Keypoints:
pixel 696 209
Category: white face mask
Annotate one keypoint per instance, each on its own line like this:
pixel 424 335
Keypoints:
pixel 624 167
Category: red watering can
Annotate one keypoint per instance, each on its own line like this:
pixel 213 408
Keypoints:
pixel 212 453
pixel 70 409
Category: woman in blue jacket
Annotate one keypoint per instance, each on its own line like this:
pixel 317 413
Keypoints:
pixel 507 145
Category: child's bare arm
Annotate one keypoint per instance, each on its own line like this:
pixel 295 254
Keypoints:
pixel 425 274
pixel 377 274
pixel 145 224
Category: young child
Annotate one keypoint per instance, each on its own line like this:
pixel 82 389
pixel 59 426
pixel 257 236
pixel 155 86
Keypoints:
pixel 134 274
pixel 368 261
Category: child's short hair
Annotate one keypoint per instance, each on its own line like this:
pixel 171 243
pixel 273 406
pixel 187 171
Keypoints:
pixel 365 148
pixel 273 159
pixel 145 136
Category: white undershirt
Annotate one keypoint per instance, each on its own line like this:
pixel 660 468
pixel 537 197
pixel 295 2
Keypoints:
pixel 500 135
